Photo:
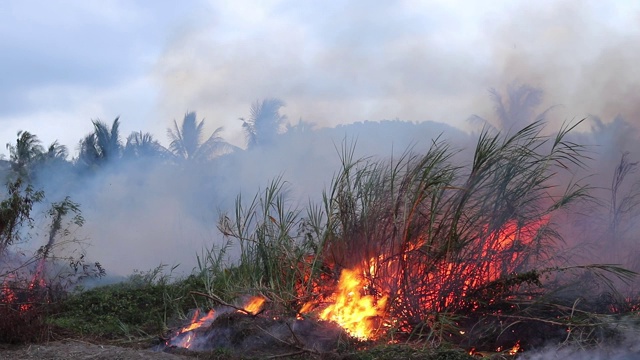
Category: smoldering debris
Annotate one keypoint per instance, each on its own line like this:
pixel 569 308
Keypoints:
pixel 258 334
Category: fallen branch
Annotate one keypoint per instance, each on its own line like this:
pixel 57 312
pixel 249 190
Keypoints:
pixel 221 302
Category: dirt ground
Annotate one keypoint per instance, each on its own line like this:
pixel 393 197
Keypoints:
pixel 79 350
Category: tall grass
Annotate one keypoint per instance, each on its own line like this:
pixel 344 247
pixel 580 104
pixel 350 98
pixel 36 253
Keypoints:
pixel 429 232
pixel 278 247
pixel 437 237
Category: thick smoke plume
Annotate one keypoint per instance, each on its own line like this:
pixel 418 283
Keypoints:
pixel 141 213
pixel 371 61
pixel 366 61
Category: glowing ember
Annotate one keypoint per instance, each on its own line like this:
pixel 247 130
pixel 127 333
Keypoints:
pixel 7 295
pixel 352 311
pixel 514 350
pixel 22 296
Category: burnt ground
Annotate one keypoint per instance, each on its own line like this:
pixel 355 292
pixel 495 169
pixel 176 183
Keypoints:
pixel 80 350
pixel 231 336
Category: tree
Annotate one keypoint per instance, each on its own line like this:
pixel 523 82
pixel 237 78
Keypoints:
pixel 517 110
pixel 51 167
pixel 26 151
pixel 29 159
pixel 15 210
pixel 143 145
pixel 186 140
pixel 265 122
pixel 101 146
pixel 56 152
pixel 302 127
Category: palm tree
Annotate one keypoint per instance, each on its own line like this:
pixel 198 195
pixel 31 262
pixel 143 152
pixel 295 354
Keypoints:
pixel 102 145
pixel 108 139
pixel 26 151
pixel 143 145
pixel 51 168
pixel 517 110
pixel 302 127
pixel 88 154
pixel 54 158
pixel 56 152
pixel 265 122
pixel 186 140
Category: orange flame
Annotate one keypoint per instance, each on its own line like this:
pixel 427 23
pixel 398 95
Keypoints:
pixel 494 254
pixel 515 349
pixel 13 292
pixel 197 323
pixel 254 305
pixel 352 311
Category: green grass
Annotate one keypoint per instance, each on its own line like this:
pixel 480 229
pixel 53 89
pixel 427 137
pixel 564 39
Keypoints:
pixel 389 352
pixel 135 308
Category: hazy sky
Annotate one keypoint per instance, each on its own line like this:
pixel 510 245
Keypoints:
pixel 66 62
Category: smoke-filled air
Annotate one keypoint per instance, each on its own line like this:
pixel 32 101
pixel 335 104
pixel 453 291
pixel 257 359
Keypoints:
pixel 365 179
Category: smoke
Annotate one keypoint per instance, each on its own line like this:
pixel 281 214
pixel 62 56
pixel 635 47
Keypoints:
pixel 581 53
pixel 377 60
pixel 143 212
pixel 625 347
pixel 582 354
pixel 335 64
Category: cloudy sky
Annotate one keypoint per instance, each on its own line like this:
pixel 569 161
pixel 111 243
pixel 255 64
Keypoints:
pixel 67 62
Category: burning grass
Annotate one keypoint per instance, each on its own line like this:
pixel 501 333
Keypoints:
pixel 23 310
pixel 417 250
pixel 31 282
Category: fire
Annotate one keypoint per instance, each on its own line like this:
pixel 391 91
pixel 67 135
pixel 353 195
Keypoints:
pixel 8 295
pixel 254 305
pixel 196 323
pixel 352 311
pixel 203 321
pixel 184 337
pixel 514 350
pixel 360 303
pixel 21 294
pixel 421 288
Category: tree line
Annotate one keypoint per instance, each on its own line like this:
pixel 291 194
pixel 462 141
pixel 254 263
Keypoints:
pixel 188 143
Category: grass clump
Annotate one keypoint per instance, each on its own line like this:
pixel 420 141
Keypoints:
pixel 451 247
pixel 142 306
pixel 114 311
pixel 279 249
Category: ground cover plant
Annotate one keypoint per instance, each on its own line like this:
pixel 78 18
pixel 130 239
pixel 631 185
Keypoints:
pixel 140 307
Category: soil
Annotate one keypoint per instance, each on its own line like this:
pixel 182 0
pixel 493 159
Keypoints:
pixel 79 350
